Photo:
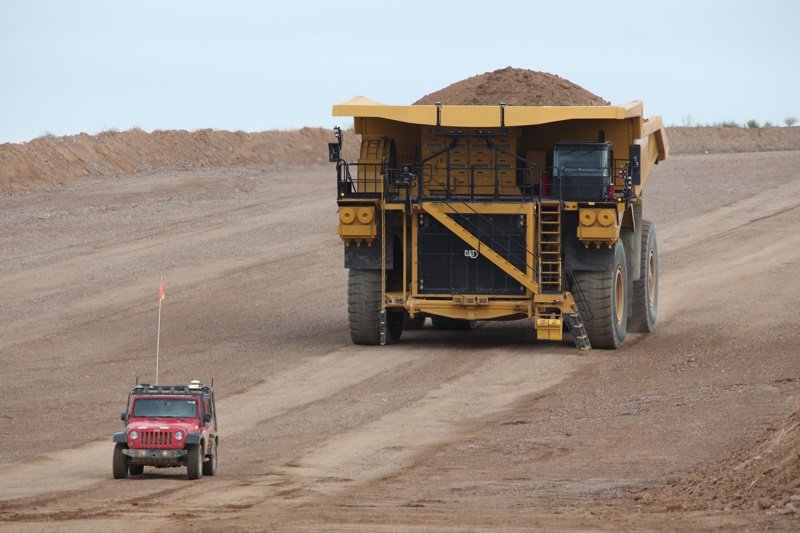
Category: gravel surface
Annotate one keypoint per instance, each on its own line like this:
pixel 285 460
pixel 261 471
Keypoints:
pixel 445 430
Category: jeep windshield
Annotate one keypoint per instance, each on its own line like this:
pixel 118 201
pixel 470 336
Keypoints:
pixel 164 408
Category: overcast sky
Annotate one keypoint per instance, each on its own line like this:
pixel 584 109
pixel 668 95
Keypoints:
pixel 85 66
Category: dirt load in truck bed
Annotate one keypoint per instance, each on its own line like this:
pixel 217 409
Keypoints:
pixel 513 86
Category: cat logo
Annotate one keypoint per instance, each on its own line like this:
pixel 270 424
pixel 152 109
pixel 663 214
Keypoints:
pixel 472 254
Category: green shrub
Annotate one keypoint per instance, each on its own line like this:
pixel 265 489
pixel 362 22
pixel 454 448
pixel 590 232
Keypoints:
pixel 727 124
pixel 790 121
pixel 753 123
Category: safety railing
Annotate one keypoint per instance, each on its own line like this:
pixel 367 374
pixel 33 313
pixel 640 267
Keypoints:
pixel 424 182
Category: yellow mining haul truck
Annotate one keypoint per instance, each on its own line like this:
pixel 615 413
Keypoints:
pixel 467 213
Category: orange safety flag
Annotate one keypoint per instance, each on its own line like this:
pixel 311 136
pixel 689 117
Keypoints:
pixel 161 291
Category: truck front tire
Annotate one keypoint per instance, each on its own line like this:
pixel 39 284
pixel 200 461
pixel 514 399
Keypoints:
pixel 604 292
pixel 364 307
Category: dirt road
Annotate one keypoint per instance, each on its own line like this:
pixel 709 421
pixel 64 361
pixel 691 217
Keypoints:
pixel 445 430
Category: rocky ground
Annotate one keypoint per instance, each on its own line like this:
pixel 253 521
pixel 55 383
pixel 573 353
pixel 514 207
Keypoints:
pixel 693 427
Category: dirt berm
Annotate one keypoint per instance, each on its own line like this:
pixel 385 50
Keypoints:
pixel 54 161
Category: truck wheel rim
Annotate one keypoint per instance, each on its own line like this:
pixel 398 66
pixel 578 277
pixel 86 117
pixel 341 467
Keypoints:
pixel 651 278
pixel 619 296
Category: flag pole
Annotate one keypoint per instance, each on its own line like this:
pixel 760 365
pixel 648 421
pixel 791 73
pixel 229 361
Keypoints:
pixel 158 337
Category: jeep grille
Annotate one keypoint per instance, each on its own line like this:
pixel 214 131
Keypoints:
pixel 156 438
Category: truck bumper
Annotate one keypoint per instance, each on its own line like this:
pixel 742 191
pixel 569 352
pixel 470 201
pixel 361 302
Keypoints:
pixel 155 457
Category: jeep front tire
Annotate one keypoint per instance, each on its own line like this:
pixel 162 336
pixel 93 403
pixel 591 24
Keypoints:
pixel 194 461
pixel 120 461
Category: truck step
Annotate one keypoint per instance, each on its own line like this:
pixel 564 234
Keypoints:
pixel 578 330
pixel 550 247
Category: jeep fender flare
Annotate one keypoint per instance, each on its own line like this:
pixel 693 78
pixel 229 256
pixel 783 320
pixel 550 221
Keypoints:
pixel 122 436
pixel 194 438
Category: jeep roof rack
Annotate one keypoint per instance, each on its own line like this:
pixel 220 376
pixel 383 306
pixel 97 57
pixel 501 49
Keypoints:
pixel 146 388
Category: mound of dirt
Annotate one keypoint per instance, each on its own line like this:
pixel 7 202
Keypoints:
pixel 53 161
pixel 763 474
pixel 710 140
pixel 514 86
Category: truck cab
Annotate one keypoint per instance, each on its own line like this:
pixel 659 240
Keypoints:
pixel 583 171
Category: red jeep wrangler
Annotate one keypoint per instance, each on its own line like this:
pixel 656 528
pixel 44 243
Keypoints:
pixel 168 426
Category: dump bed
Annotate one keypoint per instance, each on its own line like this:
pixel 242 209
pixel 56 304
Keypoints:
pixel 538 128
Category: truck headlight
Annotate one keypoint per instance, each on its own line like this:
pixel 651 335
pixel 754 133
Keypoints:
pixel 179 435
pixel 134 435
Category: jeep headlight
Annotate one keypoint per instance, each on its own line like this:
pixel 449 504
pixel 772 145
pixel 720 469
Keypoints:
pixel 179 435
pixel 134 434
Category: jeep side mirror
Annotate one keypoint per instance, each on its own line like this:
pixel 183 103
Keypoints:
pixel 207 418
pixel 123 417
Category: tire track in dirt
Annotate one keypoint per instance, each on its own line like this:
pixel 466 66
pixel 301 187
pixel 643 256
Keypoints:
pixel 742 252
pixel 41 284
pixel 41 280
pixel 313 380
pixel 715 223
pixel 346 460
pixel 387 445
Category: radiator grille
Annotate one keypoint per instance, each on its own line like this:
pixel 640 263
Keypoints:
pixel 152 438
pixel 448 265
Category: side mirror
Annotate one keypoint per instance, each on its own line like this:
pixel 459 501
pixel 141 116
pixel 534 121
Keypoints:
pixel 334 151
pixel 123 417
pixel 634 164
pixel 207 418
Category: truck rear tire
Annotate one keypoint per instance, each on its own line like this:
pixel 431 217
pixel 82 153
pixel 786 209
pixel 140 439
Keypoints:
pixel 194 461
pixel 120 462
pixel 364 307
pixel 604 292
pixel 644 301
